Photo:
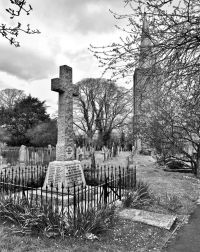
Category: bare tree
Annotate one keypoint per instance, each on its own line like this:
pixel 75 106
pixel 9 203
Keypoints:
pixel 174 128
pixel 9 97
pixel 11 33
pixel 101 106
pixel 173 49
pixel 174 28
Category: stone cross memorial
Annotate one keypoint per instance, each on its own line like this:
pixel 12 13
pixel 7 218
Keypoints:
pixel 65 170
pixel 66 90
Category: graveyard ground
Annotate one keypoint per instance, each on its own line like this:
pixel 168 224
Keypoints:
pixel 173 193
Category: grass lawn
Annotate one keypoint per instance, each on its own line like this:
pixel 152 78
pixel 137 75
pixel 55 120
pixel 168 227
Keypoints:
pixel 174 193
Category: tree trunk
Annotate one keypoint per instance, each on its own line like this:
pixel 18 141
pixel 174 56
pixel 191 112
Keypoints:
pixel 197 172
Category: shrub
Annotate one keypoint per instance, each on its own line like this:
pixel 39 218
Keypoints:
pixel 138 197
pixel 43 221
pixel 29 220
pixel 94 221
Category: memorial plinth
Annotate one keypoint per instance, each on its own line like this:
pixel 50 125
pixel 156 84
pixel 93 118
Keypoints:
pixel 64 175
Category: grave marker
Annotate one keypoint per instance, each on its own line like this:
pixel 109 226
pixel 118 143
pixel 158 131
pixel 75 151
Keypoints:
pixel 66 90
pixel 65 170
pixel 23 155
pixel 67 173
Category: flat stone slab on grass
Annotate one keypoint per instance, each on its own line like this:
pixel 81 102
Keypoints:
pixel 154 219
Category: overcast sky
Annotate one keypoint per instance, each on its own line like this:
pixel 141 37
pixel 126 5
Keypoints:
pixel 67 28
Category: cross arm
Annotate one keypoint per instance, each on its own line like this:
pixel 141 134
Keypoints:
pixel 56 85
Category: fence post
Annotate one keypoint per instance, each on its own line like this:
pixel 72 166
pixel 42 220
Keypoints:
pixel 62 204
pixel 74 203
pixel 120 185
pixel 134 177
pixel 105 189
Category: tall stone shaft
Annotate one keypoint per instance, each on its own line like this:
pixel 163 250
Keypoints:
pixel 63 85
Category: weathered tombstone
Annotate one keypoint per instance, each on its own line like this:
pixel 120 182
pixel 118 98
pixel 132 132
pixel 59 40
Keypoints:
pixel 49 153
pixel 139 145
pixel 1 160
pixel 104 153
pixel 118 150
pixel 32 157
pixel 114 150
pixel 22 155
pixel 77 152
pixel 65 170
pixel 84 152
pixel 49 148
pixel 38 157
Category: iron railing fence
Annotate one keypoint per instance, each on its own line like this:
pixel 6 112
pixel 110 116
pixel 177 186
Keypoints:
pixel 26 183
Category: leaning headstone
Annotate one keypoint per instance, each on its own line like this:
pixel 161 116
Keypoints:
pixel 65 171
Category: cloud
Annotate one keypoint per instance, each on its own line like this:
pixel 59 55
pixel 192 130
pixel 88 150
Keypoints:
pixel 25 64
pixel 4 85
pixel 67 28
pixel 78 15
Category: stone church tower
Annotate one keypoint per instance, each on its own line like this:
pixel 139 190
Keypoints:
pixel 142 83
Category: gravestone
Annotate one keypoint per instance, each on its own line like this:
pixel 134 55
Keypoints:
pixel 84 152
pixel 65 170
pixel 1 162
pixel 23 155
pixel 139 145
pixel 66 90
pixel 118 150
pixel 49 153
pixel 105 152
